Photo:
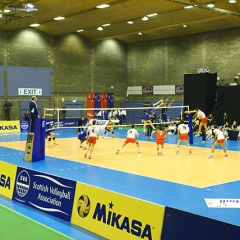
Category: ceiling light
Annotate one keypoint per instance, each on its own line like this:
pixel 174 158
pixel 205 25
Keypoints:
pixel 35 25
pixel 189 6
pixel 6 10
pixel 99 28
pixel 184 25
pixel 102 6
pixel 130 22
pixel 152 15
pixel 232 1
pixel 145 18
pixel 30 5
pixel 80 30
pixel 59 18
pixel 139 33
pixel 210 5
pixel 105 25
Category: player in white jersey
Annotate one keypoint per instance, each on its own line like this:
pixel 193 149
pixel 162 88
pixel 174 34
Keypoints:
pixel 92 136
pixel 131 138
pixel 183 131
pixel 219 140
pixel 202 117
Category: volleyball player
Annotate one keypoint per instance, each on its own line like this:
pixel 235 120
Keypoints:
pixel 219 140
pixel 131 138
pixel 183 131
pixel 148 113
pixel 160 135
pixel 109 128
pixel 164 109
pixel 92 136
pixel 82 136
pixel 202 117
pixel 50 133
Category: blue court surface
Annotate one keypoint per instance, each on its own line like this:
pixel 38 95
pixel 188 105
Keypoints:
pixel 171 194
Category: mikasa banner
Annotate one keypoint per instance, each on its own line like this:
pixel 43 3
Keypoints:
pixel 9 126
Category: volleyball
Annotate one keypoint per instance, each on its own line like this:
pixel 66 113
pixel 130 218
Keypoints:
pixel 83 206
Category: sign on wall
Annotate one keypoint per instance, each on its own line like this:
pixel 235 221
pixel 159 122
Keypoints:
pixel 30 91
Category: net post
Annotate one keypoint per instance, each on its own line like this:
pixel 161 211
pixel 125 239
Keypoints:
pixel 57 118
pixel 190 127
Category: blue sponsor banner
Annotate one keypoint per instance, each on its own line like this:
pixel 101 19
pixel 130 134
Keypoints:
pixel 110 100
pixel 24 125
pixel 47 193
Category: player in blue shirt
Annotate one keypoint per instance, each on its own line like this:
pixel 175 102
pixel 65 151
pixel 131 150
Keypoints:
pixel 147 115
pixel 82 136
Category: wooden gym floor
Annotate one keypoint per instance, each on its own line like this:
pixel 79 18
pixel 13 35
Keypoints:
pixel 180 181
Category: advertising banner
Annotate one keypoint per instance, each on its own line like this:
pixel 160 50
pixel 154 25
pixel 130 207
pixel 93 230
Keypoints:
pixel 50 194
pixel 7 179
pixel 9 126
pixel 24 125
pixel 147 90
pixel 116 216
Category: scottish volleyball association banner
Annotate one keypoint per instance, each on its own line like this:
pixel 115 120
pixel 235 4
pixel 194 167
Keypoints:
pixel 99 100
pixel 48 193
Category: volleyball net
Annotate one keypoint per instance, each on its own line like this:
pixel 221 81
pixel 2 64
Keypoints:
pixel 121 117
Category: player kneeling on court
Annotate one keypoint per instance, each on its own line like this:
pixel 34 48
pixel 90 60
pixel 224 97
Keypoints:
pixel 131 135
pixel 50 133
pixel 92 136
pixel 82 136
pixel 109 128
pixel 183 131
pixel 160 135
pixel 220 140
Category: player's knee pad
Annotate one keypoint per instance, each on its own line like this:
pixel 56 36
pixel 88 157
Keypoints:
pixel 49 139
pixel 53 138
pixel 112 132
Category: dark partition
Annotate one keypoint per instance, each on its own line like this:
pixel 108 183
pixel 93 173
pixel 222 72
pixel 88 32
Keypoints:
pixel 200 91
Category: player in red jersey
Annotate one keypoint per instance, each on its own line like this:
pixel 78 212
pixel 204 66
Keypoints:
pixel 160 135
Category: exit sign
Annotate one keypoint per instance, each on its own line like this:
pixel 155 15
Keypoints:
pixel 30 91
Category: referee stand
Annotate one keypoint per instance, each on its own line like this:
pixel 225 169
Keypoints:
pixel 35 145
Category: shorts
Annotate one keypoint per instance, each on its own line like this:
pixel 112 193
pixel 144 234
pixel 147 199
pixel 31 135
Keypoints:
pixel 204 120
pixel 130 140
pixel 82 139
pixel 183 136
pixel 146 117
pixel 164 117
pixel 220 141
pixel 92 140
pixel 160 141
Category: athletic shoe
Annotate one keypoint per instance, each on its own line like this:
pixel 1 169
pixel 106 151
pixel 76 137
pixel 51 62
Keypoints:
pixel 80 146
pixel 55 143
pixel 177 151
pixel 117 151
pixel 102 136
pixel 210 156
pixel 190 151
pixel 139 151
pixel 46 146
pixel 85 148
pixel 226 155
pixel 159 153
pixel 89 157
pixel 85 155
